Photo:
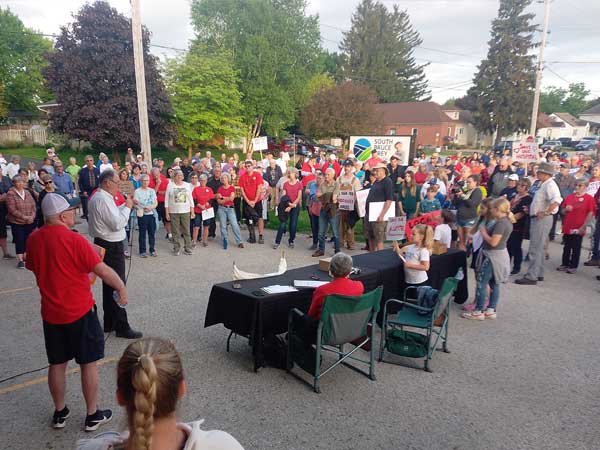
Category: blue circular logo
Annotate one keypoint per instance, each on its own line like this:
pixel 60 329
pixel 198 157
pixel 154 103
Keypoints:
pixel 362 149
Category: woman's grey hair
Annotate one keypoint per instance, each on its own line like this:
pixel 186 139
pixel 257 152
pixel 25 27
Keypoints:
pixel 340 265
pixel 582 181
pixel 17 178
pixel 292 170
pixel 144 176
pixel 203 176
pixel 226 175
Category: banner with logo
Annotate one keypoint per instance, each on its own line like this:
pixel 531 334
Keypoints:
pixel 385 146
pixel 426 219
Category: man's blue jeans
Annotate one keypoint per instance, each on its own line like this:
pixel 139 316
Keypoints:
pixel 293 218
pixel 485 278
pixel 324 221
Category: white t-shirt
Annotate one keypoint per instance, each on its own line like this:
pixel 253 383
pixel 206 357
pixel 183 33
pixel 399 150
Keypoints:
pixel 104 167
pixel 416 255
pixel 443 233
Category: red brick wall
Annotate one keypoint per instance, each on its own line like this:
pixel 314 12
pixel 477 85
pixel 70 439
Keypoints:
pixel 426 133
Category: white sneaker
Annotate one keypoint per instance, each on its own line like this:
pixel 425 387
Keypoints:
pixel 475 315
pixel 490 313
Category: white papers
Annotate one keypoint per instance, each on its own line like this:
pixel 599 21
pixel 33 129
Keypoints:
pixel 208 213
pixel 308 283
pixel 375 209
pixel 279 289
pixel 346 200
pixel 361 201
pixel 395 230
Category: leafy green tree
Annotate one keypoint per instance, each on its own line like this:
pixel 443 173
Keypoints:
pixel 378 51
pixel 341 111
pixel 276 51
pixel 3 105
pixel 21 61
pixel 205 98
pixel 573 100
pixel 92 74
pixel 504 84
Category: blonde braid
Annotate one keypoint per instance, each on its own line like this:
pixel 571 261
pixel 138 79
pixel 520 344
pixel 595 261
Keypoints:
pixel 144 384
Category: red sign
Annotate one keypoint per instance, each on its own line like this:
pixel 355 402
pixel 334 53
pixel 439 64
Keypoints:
pixel 425 219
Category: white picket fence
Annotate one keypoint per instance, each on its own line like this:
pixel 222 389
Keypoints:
pixel 37 136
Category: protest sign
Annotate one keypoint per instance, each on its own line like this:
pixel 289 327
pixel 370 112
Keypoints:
pixel 386 146
pixel 260 143
pixel 376 208
pixel 361 201
pixel 346 200
pixel 525 151
pixel 426 219
pixel 395 229
pixel 593 188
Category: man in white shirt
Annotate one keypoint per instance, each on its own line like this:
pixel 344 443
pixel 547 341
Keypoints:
pixel 546 201
pixel 12 168
pixel 106 224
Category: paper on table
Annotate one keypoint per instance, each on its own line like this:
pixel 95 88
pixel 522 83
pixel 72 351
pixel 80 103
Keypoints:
pixel 308 283
pixel 279 289
pixel 375 209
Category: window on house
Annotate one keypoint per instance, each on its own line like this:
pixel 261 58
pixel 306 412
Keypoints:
pixel 414 131
pixel 461 130
pixel 449 131
pixel 392 131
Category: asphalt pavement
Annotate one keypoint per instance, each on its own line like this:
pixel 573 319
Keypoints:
pixel 529 380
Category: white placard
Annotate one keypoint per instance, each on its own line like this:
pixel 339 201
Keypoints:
pixel 346 200
pixel 260 143
pixel 361 201
pixel 208 213
pixel 525 151
pixel 375 209
pixel 396 229
pixel 593 188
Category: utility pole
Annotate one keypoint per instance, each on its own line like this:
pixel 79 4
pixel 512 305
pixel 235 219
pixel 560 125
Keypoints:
pixel 539 71
pixel 140 80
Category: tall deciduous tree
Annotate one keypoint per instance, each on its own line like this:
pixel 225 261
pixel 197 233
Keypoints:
pixel 378 51
pixel 92 75
pixel 343 110
pixel 3 104
pixel 504 84
pixel 21 61
pixel 205 98
pixel 276 51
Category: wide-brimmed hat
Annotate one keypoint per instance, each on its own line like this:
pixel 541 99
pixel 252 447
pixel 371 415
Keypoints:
pixel 546 168
pixel 380 166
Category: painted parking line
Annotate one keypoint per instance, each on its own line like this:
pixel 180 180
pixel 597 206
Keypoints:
pixel 10 291
pixel 39 380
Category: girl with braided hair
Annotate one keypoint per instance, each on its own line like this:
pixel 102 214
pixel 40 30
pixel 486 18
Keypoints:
pixel 150 383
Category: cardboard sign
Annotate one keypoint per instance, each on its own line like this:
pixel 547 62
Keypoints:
pixel 395 229
pixel 361 201
pixel 525 151
pixel 260 143
pixel 426 219
pixel 386 147
pixel 346 200
pixel 593 188
pixel 208 213
pixel 376 208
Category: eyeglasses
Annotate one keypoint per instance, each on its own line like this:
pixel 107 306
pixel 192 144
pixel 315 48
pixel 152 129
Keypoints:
pixel 48 183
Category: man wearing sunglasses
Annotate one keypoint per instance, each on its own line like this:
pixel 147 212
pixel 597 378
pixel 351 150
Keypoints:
pixel 88 181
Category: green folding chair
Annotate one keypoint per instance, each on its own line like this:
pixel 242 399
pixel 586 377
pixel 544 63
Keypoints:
pixel 343 320
pixel 434 321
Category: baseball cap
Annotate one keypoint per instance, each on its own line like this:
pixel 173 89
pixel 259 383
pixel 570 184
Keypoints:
pixel 348 163
pixel 433 181
pixel 54 204
pixel 394 156
pixel 332 157
pixel 513 177
pixel 248 161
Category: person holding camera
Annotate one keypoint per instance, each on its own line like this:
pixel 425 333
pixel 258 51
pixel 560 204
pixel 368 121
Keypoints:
pixel 466 202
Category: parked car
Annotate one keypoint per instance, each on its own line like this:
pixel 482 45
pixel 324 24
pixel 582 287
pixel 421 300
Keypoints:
pixel 303 146
pixel 566 142
pixel 587 144
pixel 503 145
pixel 551 145
pixel 273 145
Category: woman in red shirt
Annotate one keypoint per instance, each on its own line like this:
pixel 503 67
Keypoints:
pixel 202 195
pixel 292 189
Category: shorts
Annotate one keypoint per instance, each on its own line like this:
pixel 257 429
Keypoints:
pixel 197 221
pixel 466 223
pixel 162 212
pixel 82 340
pixel 253 213
pixel 375 231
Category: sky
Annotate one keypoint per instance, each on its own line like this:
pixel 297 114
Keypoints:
pixel 454 33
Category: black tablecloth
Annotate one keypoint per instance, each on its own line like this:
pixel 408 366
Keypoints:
pixel 247 314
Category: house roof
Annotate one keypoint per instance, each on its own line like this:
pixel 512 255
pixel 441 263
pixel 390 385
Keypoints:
pixel 413 113
pixel 593 110
pixel 570 119
pixel 543 121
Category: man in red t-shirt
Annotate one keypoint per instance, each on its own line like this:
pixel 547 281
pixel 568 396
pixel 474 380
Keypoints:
pixel 62 262
pixel 579 208
pixel 333 164
pixel 372 161
pixel 159 183
pixel 251 185
pixel 202 195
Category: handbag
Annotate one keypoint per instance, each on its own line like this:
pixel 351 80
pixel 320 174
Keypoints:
pixel 314 208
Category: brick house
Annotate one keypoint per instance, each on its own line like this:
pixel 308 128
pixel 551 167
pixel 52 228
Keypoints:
pixel 434 125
